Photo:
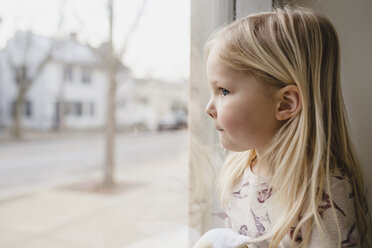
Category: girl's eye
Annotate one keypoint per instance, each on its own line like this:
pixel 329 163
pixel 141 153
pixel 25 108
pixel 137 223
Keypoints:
pixel 223 91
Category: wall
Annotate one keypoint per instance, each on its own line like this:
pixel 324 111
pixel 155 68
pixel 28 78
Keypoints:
pixel 352 20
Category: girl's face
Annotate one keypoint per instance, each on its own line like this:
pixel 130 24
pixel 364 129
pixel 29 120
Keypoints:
pixel 242 108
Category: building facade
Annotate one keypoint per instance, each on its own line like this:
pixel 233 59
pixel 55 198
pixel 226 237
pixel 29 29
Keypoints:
pixel 67 93
pixel 71 90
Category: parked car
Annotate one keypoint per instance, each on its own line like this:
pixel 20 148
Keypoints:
pixel 173 121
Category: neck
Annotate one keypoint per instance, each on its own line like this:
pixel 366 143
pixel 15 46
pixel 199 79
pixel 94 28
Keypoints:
pixel 260 166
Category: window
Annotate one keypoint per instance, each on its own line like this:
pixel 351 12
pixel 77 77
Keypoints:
pixel 26 109
pixel 178 107
pixel 67 108
pixel 68 73
pixel 78 109
pixel 72 108
pixel 86 76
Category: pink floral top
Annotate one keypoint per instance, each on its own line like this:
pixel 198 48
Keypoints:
pixel 249 214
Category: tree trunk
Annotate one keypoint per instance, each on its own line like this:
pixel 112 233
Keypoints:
pixel 109 180
pixel 111 70
pixel 18 114
pixel 61 109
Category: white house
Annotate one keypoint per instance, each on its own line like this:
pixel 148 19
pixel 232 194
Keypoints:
pixel 73 76
pixel 72 88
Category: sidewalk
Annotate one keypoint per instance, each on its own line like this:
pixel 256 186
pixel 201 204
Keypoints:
pixel 150 211
pixel 34 135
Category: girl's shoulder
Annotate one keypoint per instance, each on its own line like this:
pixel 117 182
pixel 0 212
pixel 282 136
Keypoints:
pixel 340 193
pixel 340 198
pixel 340 184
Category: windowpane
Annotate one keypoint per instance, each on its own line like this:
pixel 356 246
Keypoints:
pixel 78 108
pixel 94 163
pixel 86 76
pixel 28 109
pixel 68 73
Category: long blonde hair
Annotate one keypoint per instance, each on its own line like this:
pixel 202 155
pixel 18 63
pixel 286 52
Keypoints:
pixel 296 46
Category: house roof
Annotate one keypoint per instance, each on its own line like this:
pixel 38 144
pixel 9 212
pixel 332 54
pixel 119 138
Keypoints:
pixel 36 47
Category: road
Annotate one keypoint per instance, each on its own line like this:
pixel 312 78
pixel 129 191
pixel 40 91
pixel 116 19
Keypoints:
pixel 43 161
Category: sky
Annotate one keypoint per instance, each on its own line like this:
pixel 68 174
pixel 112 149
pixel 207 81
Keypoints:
pixel 159 47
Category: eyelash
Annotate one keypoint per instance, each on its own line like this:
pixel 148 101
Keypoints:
pixel 223 91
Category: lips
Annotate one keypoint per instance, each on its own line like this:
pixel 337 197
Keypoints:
pixel 218 129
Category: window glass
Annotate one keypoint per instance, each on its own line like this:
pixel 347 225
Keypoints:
pixel 68 73
pixel 101 158
pixel 86 76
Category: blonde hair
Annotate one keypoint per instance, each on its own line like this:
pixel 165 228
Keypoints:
pixel 300 47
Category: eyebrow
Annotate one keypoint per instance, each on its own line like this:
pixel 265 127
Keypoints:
pixel 214 82
pixel 218 83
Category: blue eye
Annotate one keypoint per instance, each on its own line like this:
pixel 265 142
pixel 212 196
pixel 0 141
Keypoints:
pixel 223 91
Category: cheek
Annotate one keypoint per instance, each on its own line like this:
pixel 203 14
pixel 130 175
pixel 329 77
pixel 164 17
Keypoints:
pixel 246 121
pixel 234 118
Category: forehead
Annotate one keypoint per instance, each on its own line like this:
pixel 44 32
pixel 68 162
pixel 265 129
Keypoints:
pixel 213 58
pixel 217 69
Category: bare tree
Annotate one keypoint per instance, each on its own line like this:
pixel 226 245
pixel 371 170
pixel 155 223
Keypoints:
pixel 24 76
pixel 111 59
pixel 113 64
pixel 26 70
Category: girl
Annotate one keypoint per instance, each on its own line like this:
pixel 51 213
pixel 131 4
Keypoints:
pixel 294 179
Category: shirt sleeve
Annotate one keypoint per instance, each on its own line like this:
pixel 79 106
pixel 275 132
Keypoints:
pixel 342 198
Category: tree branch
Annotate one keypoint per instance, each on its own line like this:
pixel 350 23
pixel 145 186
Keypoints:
pixel 132 29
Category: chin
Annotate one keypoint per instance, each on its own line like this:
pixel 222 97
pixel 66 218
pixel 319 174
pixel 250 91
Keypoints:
pixel 233 147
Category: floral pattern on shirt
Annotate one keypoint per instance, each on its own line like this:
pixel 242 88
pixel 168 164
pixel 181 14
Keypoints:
pixel 351 240
pixel 263 192
pixel 242 193
pixel 326 204
pixel 253 195
pixel 243 230
pixel 260 221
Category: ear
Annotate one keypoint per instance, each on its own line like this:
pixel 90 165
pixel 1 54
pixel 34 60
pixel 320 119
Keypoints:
pixel 289 102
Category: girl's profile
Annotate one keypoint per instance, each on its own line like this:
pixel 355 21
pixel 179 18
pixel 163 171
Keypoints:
pixel 292 177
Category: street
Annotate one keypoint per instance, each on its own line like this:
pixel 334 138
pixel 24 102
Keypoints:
pixel 41 205
pixel 47 161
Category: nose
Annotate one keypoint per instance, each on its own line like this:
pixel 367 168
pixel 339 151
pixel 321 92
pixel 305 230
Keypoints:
pixel 210 109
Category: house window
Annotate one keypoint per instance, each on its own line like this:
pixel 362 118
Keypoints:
pixel 73 108
pixel 177 106
pixel 68 73
pixel 26 109
pixel 67 108
pixel 86 76
pixel 78 108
